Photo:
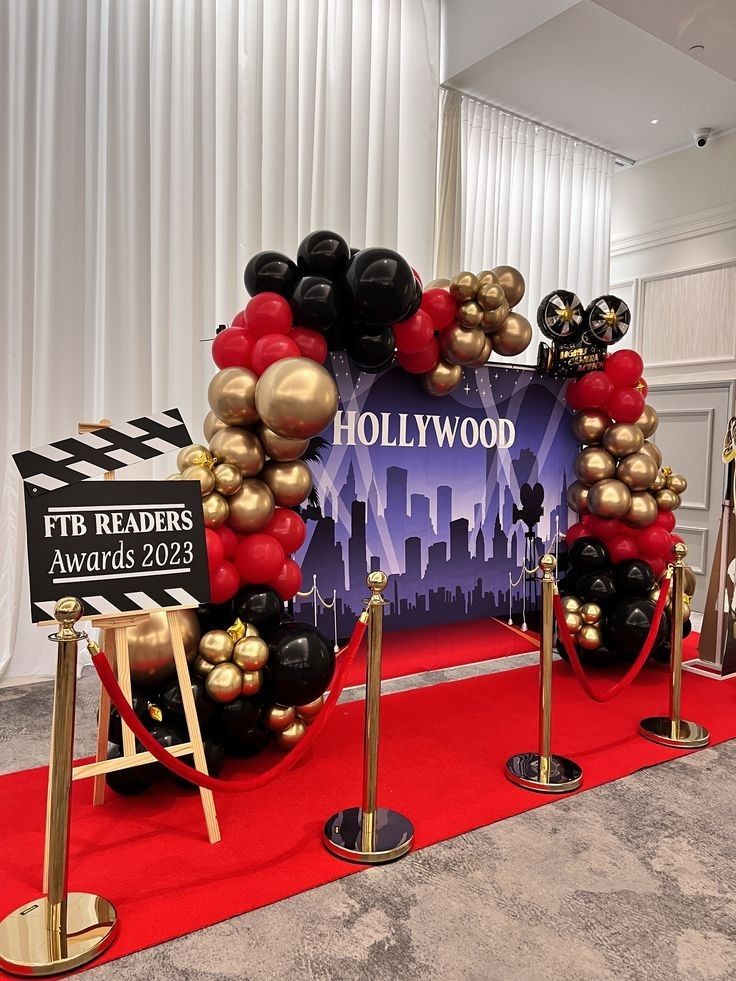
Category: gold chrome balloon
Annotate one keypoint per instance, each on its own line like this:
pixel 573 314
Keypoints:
pixel 212 425
pixel 658 483
pixel 290 483
pixel 609 499
pixel 149 646
pixel 491 295
pixel 280 447
pixel 622 439
pixel 231 395
pixel 486 276
pixel 512 283
pixel 574 622
pixel 653 451
pixel 438 284
pixel 241 448
pixel 174 476
pixel 589 425
pixel 252 681
pixel 470 314
pixel 224 682
pixel 571 604
pixel 252 507
pixel 443 378
pixel 677 483
pixel 461 345
pixel 493 319
pixel 288 738
pixel 250 654
pixel 667 500
pixel 463 287
pixel 215 509
pixel 227 478
pixel 485 354
pixel 203 474
pixel 593 464
pixel 637 471
pixel 690 584
pixel 216 646
pixel 648 421
pixel 513 336
pixel 189 456
pixel 201 667
pixel 311 710
pixel 279 717
pixel 590 613
pixel 296 398
pixel 642 510
pixel 577 497
pixel 589 637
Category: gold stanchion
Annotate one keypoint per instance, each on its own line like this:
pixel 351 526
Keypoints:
pixel 61 930
pixel 671 730
pixel 544 771
pixel 370 834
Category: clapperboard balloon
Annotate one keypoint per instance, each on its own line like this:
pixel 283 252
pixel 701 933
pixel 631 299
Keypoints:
pixel 118 546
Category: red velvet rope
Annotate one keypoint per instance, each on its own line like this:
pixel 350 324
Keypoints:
pixel 109 681
pixel 569 645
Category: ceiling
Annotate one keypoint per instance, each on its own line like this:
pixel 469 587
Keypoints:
pixel 602 70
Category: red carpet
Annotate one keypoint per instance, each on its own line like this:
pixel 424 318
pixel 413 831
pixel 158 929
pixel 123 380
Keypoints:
pixel 439 766
pixel 445 646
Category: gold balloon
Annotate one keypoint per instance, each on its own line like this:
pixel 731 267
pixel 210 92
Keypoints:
pixel 513 336
pixel 642 511
pixel 589 637
pixel 689 584
pixel 667 499
pixel 577 497
pixel 216 510
pixel 593 464
pixel 227 478
pixel 658 483
pixel 470 314
pixel 648 421
pixel 487 277
pixel 463 287
pixel 250 654
pixel 149 646
pixel 438 284
pixel 251 507
pixel 571 604
pixel 279 717
pixel 290 483
pixel 653 451
pixel 252 681
pixel 241 448
pixel 204 475
pixel 231 395
pixel 288 738
pixel 216 646
pixel 491 296
pixel 590 613
pixel 493 319
pixel 311 710
pixel 224 682
pixel 609 499
pixel 280 447
pixel 461 345
pixel 677 483
pixel 212 425
pixel 574 622
pixel 589 425
pixel 189 456
pixel 443 378
pixel 487 352
pixel 296 398
pixel 512 282
pixel 637 471
pixel 623 439
pixel 174 476
pixel 201 667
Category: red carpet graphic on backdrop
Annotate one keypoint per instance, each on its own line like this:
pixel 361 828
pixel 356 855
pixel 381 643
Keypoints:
pixel 150 857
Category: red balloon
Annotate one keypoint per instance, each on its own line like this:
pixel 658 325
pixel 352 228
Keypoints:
pixel 288 581
pixel 440 306
pixel 239 319
pixel 677 539
pixel 215 548
pixel 665 519
pixel 655 542
pixel 625 405
pixel 311 344
pixel 232 348
pixel 259 558
pixel 229 541
pixel 621 548
pixel 424 361
pixel 415 333
pixel 657 566
pixel 591 391
pixel 271 348
pixel 268 313
pixel 624 368
pixel 578 530
pixel 288 528
pixel 605 528
pixel 224 583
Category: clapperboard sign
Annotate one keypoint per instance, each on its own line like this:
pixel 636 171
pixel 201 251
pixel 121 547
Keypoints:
pixel 118 546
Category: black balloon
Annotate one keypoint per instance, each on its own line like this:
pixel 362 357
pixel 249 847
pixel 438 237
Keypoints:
pixel 167 736
pixel 261 606
pixel 596 587
pixel 381 285
pixel 173 705
pixel 271 272
pixel 416 302
pixel 372 352
pixel 629 627
pixel 315 303
pixel 335 336
pixel 128 782
pixel 214 754
pixel 323 253
pixel 239 730
pixel 634 578
pixel 144 705
pixel 568 585
pixel 686 628
pixel 300 664
pixel 215 616
pixel 588 555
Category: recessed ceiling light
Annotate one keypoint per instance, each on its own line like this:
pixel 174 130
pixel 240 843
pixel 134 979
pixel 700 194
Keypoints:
pixel 654 121
pixel 696 48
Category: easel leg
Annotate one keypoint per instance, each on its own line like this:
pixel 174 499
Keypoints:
pixel 190 713
pixel 121 655
pixel 103 724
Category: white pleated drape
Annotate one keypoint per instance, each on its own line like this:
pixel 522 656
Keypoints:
pixel 147 149
pixel 513 192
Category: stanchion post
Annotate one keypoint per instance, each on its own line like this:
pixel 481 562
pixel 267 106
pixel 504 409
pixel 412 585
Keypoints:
pixel 370 834
pixel 542 770
pixel 61 930
pixel 672 730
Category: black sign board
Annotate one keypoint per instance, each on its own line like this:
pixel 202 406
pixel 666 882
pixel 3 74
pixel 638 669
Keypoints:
pixel 118 546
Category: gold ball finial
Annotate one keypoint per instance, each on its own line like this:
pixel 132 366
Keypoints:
pixel 680 550
pixel 68 610
pixel 377 581
pixel 547 563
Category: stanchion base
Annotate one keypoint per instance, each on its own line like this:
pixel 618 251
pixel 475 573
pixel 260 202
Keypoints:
pixel 678 735
pixel 394 836
pixel 28 948
pixel 564 775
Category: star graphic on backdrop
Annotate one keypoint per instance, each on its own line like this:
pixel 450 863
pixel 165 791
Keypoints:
pixel 467 388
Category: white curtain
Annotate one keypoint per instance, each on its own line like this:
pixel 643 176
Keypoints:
pixel 513 192
pixel 147 149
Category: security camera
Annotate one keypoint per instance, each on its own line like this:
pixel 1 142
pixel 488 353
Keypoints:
pixel 701 137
